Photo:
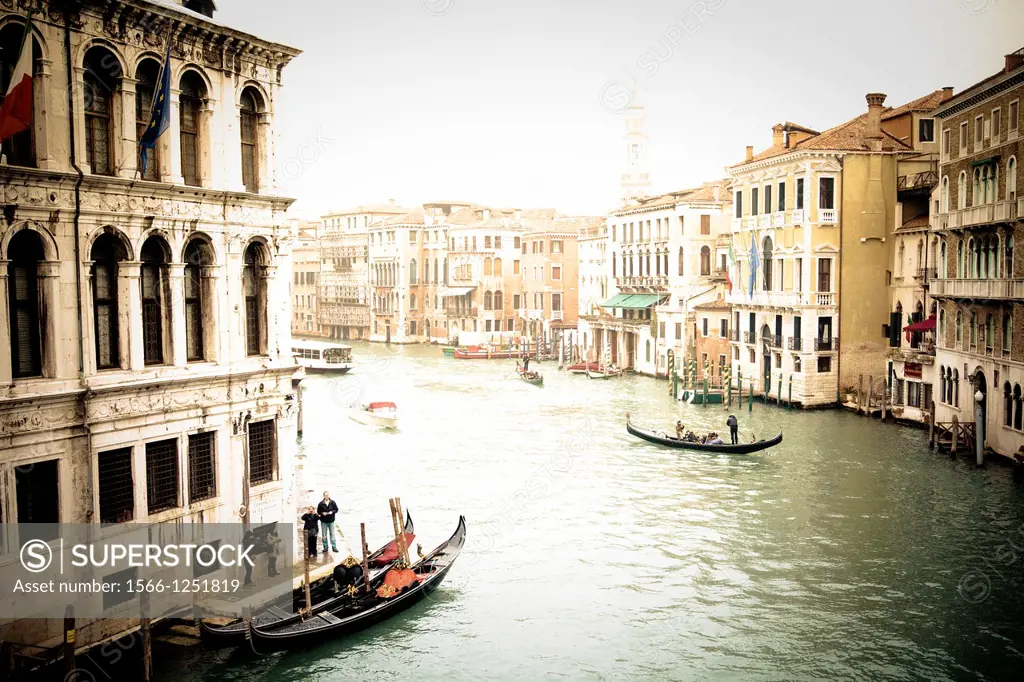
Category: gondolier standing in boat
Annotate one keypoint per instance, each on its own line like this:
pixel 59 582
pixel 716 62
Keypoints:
pixel 734 429
pixel 327 509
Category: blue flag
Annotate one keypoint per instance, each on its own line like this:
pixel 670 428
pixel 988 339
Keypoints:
pixel 160 121
pixel 755 262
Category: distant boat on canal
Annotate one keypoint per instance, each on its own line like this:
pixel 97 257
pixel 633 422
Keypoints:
pixel 491 353
pixel 583 367
pixel 382 414
pixel 662 438
pixel 322 357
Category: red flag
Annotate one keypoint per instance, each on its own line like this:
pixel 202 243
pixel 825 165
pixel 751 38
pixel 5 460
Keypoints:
pixel 728 279
pixel 16 110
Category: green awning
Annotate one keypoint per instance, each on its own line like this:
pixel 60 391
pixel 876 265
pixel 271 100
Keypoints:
pixel 632 301
pixel 986 162
pixel 616 301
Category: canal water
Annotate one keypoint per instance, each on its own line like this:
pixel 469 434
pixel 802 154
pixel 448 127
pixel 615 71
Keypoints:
pixel 849 552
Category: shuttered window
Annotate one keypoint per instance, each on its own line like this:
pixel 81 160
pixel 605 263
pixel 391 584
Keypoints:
pixel 23 299
pixel 249 125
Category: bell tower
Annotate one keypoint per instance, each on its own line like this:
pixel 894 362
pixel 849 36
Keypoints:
pixel 635 180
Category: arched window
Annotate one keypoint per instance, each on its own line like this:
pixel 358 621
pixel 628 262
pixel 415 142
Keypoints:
pixel 100 80
pixel 1011 179
pixel 145 92
pixel 412 303
pixel 24 254
pixel 498 301
pixel 249 113
pixel 488 267
pixel 154 283
pixel 943 271
pixel 973 330
pixel 488 300
pixel 959 329
pixel 766 262
pixel 956 388
pixel 944 196
pixel 254 289
pixel 989 332
pixel 960 258
pixel 961 190
pixel 1007 405
pixel 682 258
pixel 705 261
pixel 497 267
pixel 1018 408
pixel 18 148
pixel 1007 334
pixel 942 383
pixel 412 271
pixel 942 328
pixel 979 191
pixel 106 254
pixel 190 103
pixel 436 280
pixel 199 300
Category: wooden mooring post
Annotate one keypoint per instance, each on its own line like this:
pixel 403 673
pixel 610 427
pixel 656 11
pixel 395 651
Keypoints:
pixel 931 429
pixel 956 437
pixel 871 394
pixel 146 630
pixel 860 392
pixel 68 645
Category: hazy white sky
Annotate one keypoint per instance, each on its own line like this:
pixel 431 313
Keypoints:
pixel 507 102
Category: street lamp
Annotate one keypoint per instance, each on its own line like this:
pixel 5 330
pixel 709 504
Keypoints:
pixel 979 428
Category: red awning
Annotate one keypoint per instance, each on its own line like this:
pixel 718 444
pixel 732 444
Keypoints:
pixel 383 406
pixel 922 326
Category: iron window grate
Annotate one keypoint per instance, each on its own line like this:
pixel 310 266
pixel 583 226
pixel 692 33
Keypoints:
pixel 117 492
pixel 261 452
pixel 202 479
pixel 162 475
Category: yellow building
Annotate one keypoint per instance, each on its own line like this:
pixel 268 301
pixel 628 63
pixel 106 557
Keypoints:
pixel 813 216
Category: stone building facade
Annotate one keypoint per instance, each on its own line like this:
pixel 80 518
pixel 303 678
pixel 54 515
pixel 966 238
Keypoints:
pixel 980 285
pixel 145 337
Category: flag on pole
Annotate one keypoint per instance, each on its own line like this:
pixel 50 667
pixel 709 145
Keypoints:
pixel 910 321
pixel 160 120
pixel 755 263
pixel 16 110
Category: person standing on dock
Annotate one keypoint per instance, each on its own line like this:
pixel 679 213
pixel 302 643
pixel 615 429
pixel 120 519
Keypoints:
pixel 248 540
pixel 273 550
pixel 734 429
pixel 327 509
pixel 311 522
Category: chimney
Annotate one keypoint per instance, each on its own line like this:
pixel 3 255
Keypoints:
pixel 750 152
pixel 1014 61
pixel 718 195
pixel 778 137
pixel 947 93
pixel 874 133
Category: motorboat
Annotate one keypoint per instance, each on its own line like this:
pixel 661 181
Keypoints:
pixel 382 414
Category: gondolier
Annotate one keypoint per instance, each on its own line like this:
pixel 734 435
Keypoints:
pixel 734 429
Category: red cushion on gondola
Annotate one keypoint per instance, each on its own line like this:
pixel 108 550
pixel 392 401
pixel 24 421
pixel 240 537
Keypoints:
pixel 390 552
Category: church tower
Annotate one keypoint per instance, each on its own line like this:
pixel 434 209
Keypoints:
pixel 635 180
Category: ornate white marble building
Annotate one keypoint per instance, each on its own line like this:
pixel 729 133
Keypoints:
pixel 144 319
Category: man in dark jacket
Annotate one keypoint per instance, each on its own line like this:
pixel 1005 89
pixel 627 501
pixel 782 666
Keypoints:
pixel 310 523
pixel 327 509
pixel 734 429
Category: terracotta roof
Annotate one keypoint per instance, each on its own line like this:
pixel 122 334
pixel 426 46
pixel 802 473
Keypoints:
pixel 927 103
pixel 706 192
pixel 791 127
pixel 718 304
pixel 373 208
pixel 411 218
pixel 919 221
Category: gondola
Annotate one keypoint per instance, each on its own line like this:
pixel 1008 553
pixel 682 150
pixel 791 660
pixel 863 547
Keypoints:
pixel 662 438
pixel 533 378
pixel 367 610
pixel 233 634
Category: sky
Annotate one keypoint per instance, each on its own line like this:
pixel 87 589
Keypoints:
pixel 517 103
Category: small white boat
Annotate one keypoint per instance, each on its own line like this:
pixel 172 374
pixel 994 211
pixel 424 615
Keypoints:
pixel 382 414
pixel 318 356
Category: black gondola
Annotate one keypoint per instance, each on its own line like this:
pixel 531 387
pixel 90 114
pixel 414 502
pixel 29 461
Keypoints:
pixel 368 610
pixel 662 438
pixel 233 634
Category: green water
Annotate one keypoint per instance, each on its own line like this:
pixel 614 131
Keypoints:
pixel 849 552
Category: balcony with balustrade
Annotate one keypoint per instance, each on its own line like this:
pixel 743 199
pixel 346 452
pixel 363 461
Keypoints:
pixel 984 214
pixel 980 289
pixel 734 335
pixel 774 340
pixel 750 338
pixel 795 344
